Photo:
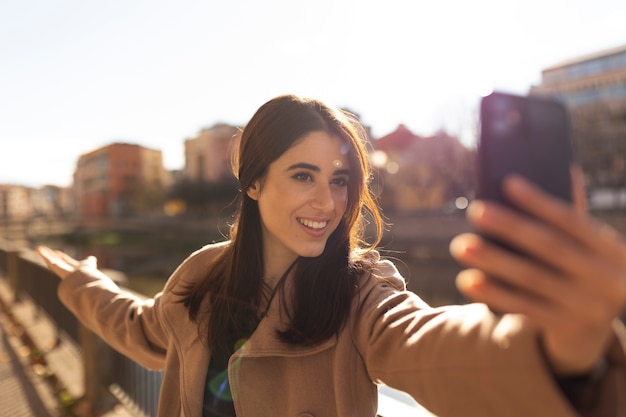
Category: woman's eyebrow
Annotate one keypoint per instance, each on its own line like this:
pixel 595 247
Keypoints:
pixel 303 165
pixel 315 168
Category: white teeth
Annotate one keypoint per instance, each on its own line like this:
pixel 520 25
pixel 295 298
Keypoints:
pixel 312 224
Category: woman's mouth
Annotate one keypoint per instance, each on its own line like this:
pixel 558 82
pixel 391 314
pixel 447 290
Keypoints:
pixel 312 224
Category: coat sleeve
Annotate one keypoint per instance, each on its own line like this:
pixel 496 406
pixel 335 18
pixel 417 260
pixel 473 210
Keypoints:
pixel 464 360
pixel 128 323
pixel 133 326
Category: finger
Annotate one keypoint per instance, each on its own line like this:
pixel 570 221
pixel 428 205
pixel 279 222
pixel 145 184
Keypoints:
pixel 541 205
pixel 590 271
pixel 47 254
pixel 56 264
pixel 43 251
pixel 91 261
pixel 479 287
pixel 556 319
pixel 519 272
pixel 603 240
pixel 526 234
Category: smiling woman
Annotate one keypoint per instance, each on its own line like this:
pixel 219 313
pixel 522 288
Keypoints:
pixel 301 200
pixel 296 315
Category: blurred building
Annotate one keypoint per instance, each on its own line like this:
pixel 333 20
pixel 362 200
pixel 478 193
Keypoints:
pixel 15 202
pixel 422 173
pixel 593 87
pixel 21 203
pixel 207 156
pixel 52 201
pixel 117 180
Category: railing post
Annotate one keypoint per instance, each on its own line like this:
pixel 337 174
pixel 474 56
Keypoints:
pixel 98 366
pixel 13 271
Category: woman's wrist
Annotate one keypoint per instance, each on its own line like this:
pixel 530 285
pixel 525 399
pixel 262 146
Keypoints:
pixel 582 389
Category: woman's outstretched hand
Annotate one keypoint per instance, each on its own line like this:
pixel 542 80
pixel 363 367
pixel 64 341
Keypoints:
pixel 61 263
pixel 573 285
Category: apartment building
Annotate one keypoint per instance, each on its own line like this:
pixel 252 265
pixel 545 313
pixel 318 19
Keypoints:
pixel 21 203
pixel 207 156
pixel 593 87
pixel 115 180
pixel 15 202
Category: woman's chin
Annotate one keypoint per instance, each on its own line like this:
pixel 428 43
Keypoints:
pixel 311 252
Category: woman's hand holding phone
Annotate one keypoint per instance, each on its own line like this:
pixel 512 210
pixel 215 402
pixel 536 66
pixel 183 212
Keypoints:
pixel 569 277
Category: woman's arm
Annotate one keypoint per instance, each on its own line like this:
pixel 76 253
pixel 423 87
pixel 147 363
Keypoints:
pixel 129 324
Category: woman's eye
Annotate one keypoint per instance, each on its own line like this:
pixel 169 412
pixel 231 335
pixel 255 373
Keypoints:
pixel 340 181
pixel 303 176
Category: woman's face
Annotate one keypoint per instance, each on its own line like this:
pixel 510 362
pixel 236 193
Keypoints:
pixel 302 199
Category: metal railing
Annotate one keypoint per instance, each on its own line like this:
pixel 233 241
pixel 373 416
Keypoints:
pixel 133 385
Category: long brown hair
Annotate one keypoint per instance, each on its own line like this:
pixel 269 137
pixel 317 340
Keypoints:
pixel 323 285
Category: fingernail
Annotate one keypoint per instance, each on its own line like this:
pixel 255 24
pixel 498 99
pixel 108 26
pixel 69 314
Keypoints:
pixel 463 246
pixel 456 246
pixel 475 209
pixel 466 281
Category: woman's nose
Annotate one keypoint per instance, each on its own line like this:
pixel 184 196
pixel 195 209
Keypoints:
pixel 323 199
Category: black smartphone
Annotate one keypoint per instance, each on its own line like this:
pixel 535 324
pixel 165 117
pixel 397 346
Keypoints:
pixel 526 135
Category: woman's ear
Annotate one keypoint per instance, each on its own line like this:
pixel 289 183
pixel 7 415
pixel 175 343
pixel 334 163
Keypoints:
pixel 254 190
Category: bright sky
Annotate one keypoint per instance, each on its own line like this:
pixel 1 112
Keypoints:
pixel 76 75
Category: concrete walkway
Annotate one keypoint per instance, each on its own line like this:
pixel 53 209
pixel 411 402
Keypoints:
pixel 22 393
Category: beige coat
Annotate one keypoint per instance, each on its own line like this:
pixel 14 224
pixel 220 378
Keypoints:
pixel 455 361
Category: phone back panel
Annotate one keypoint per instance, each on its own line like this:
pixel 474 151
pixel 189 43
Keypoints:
pixel 529 136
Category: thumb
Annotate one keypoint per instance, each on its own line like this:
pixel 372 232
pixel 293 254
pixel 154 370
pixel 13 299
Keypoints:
pixel 91 261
